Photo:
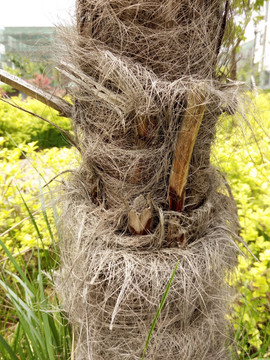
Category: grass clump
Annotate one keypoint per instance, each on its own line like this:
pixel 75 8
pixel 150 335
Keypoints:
pixel 33 325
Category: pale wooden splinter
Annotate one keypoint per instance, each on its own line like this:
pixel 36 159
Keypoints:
pixel 186 138
pixel 140 216
pixel 184 147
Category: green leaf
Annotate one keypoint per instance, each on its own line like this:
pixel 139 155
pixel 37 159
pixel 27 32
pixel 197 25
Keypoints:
pixel 17 267
pixel 4 345
pixel 163 300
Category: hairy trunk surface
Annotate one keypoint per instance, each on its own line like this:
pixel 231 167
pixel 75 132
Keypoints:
pixel 146 103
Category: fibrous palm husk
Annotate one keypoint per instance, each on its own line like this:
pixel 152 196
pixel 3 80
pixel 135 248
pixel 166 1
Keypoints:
pixel 133 65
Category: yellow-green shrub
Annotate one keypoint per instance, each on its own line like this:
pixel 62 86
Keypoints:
pixel 19 175
pixel 243 154
pixel 23 127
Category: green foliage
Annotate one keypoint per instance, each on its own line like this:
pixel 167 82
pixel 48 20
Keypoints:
pixel 25 128
pixel 244 11
pixel 245 72
pixel 162 303
pixel 21 173
pixel 40 330
pixel 23 66
pixel 34 326
pixel 246 162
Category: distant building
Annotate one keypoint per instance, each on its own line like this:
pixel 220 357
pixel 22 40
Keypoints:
pixel 34 43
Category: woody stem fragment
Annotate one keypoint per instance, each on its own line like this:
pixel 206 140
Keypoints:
pixel 186 138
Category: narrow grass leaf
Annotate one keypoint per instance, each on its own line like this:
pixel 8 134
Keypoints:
pixel 17 266
pixel 35 338
pixel 47 331
pixel 44 212
pixel 4 345
pixel 27 318
pixel 30 214
pixel 164 297
pixel 20 281
pixel 53 330
pixel 18 302
pixel 19 338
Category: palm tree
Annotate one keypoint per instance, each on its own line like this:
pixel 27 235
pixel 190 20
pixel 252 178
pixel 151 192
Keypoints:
pixel 148 91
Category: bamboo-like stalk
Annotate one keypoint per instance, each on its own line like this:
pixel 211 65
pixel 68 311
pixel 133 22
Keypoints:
pixel 51 100
pixel 184 147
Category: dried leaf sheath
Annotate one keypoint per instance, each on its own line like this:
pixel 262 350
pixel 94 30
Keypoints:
pixel 184 147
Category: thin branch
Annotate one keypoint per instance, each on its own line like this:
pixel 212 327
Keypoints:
pixel 56 176
pixel 64 132
pixel 223 26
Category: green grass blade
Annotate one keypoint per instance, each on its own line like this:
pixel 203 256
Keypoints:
pixel 35 338
pixel 28 320
pixel 164 297
pixel 19 304
pixel 44 212
pixel 17 338
pixel 47 330
pixel 17 266
pixel 17 341
pixel 30 214
pixel 28 291
pixel 5 346
pixel 66 336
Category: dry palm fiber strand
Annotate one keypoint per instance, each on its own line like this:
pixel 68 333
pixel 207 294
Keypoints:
pixel 142 72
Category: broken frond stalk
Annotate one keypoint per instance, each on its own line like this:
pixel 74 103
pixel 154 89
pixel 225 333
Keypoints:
pixel 53 101
pixel 184 147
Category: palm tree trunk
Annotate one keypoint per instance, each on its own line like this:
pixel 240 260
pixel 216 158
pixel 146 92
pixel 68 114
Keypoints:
pixel 147 101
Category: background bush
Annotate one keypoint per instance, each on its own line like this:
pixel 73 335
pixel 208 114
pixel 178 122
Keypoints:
pixel 26 177
pixel 242 152
pixel 25 128
pixel 31 321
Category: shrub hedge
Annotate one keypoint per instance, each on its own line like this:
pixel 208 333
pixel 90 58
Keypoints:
pixel 25 128
pixel 242 153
